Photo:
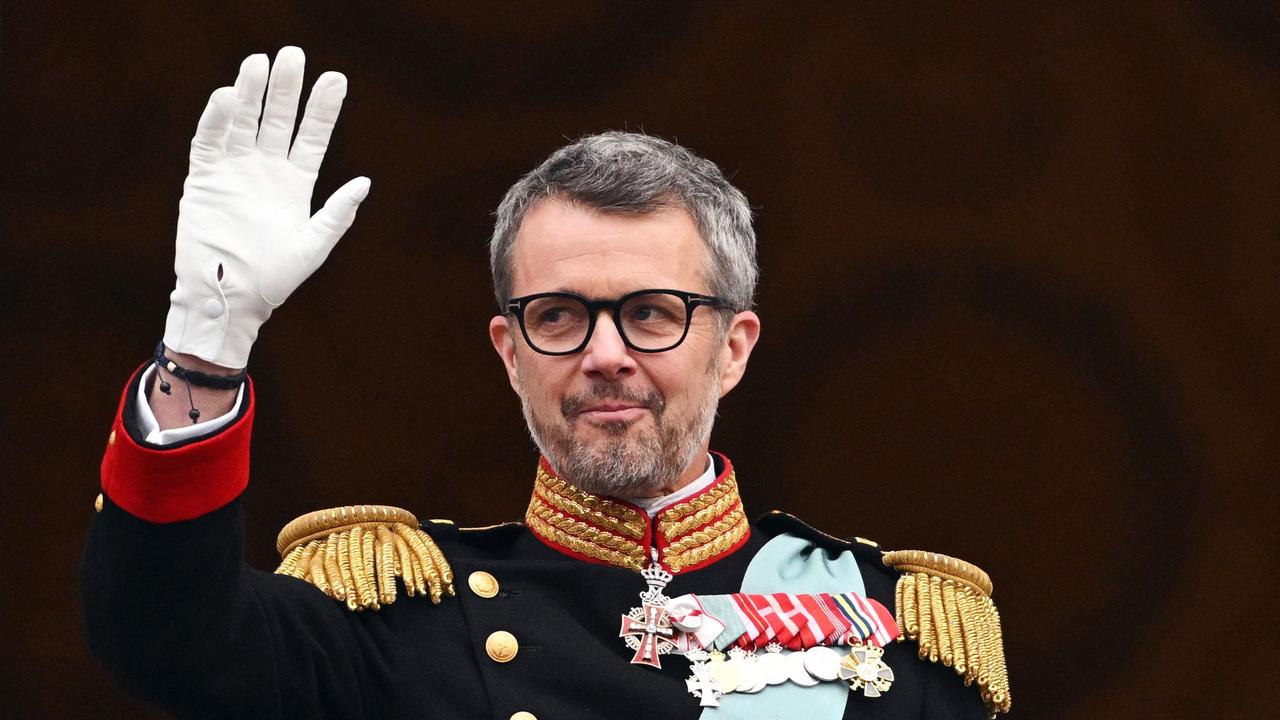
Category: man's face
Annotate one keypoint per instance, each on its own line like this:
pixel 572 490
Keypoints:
pixel 611 420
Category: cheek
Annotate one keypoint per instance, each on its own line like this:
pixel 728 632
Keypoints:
pixel 540 381
pixel 679 382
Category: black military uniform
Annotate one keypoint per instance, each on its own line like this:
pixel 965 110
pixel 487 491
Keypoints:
pixel 533 628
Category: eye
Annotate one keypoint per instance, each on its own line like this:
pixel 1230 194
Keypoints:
pixel 550 316
pixel 657 311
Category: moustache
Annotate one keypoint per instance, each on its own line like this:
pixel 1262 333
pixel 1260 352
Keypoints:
pixel 572 406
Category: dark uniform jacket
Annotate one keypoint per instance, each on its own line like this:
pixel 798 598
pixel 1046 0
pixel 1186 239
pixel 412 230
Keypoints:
pixel 172 610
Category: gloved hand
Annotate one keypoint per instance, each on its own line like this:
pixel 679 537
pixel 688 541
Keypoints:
pixel 246 236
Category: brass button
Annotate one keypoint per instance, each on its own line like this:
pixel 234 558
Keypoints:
pixel 111 439
pixel 501 646
pixel 523 715
pixel 97 503
pixel 483 584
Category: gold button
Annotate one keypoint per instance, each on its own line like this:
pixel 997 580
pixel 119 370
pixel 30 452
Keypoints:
pixel 523 715
pixel 111 439
pixel 501 646
pixel 483 584
pixel 97 503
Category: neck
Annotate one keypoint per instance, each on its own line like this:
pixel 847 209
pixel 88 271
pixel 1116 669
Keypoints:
pixel 691 473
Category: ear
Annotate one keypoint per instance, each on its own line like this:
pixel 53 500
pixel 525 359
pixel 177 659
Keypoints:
pixel 504 343
pixel 740 339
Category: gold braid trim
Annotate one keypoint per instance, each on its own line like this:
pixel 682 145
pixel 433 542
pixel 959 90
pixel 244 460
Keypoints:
pixel 691 531
pixel 701 510
pixel 693 540
pixel 583 538
pixel 355 553
pixel 709 543
pixel 944 604
pixel 320 523
pixel 599 511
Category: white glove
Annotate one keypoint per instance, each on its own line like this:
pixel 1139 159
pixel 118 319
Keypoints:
pixel 246 237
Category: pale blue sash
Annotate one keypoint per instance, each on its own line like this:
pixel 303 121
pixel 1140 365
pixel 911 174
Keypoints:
pixel 793 565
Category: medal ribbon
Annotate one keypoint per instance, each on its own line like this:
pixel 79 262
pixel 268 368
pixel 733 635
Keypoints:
pixel 795 621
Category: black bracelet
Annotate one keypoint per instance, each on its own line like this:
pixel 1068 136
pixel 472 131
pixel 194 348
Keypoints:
pixel 197 378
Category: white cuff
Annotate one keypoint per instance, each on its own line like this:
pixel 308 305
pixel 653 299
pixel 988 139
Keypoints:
pixel 150 427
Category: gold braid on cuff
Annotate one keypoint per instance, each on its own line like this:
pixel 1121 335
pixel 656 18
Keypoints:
pixel 944 604
pixel 355 553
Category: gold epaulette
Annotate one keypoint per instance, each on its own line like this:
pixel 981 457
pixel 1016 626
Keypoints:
pixel 355 553
pixel 944 604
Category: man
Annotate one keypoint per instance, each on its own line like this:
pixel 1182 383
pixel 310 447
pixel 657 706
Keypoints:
pixel 624 268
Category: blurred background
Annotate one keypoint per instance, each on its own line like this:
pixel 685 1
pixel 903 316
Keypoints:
pixel 1018 294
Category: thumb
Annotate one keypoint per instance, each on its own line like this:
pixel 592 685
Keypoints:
pixel 339 211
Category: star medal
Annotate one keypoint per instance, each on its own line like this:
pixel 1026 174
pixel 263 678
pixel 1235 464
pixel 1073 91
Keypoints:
pixel 864 670
pixel 647 629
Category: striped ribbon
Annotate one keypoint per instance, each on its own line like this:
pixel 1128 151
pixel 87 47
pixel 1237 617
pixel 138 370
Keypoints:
pixel 795 621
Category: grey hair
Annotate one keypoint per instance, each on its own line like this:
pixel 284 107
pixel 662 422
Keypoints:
pixel 634 173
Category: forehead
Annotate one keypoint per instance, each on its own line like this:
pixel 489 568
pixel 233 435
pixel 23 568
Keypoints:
pixel 571 247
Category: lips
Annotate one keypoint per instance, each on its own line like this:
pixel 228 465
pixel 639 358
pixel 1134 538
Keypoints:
pixel 611 403
pixel 611 407
pixel 613 413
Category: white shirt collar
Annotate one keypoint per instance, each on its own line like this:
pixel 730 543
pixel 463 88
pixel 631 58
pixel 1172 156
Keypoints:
pixel 653 505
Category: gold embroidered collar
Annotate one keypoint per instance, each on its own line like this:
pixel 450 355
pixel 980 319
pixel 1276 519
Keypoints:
pixel 691 533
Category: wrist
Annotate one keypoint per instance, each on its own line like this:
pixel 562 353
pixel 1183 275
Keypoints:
pixel 201 324
pixel 191 362
pixel 205 384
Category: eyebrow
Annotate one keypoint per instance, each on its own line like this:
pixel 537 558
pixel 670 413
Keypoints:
pixel 579 293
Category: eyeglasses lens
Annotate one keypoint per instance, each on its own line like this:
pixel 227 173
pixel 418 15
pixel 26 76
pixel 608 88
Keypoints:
pixel 652 321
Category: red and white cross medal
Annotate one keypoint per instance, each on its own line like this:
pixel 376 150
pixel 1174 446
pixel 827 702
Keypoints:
pixel 647 629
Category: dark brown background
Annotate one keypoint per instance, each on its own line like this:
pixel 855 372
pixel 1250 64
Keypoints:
pixel 1019 301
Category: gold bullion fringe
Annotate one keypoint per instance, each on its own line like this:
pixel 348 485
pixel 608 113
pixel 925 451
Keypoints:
pixel 944 605
pixel 354 554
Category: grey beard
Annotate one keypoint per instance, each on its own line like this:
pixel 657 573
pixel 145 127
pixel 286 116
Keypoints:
pixel 621 467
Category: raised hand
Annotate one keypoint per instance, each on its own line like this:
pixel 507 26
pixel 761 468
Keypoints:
pixel 246 236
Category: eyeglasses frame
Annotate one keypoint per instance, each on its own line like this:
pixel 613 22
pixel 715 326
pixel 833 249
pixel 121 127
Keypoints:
pixel 692 301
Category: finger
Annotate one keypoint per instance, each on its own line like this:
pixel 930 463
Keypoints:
pixel 339 211
pixel 244 120
pixel 211 131
pixel 284 89
pixel 317 124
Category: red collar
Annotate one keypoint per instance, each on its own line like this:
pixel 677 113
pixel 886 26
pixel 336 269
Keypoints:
pixel 690 533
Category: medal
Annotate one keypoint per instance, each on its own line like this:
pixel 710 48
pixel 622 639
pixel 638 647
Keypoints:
pixel 864 670
pixel 807 625
pixel 714 675
pixel 701 682
pixel 647 629
pixel 815 628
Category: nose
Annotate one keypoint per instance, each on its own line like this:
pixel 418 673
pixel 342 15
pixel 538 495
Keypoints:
pixel 606 356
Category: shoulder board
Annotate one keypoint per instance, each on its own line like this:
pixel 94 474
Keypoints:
pixel 355 553
pixel 944 604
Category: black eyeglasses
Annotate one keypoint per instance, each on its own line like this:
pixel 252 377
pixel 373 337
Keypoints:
pixel 650 321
